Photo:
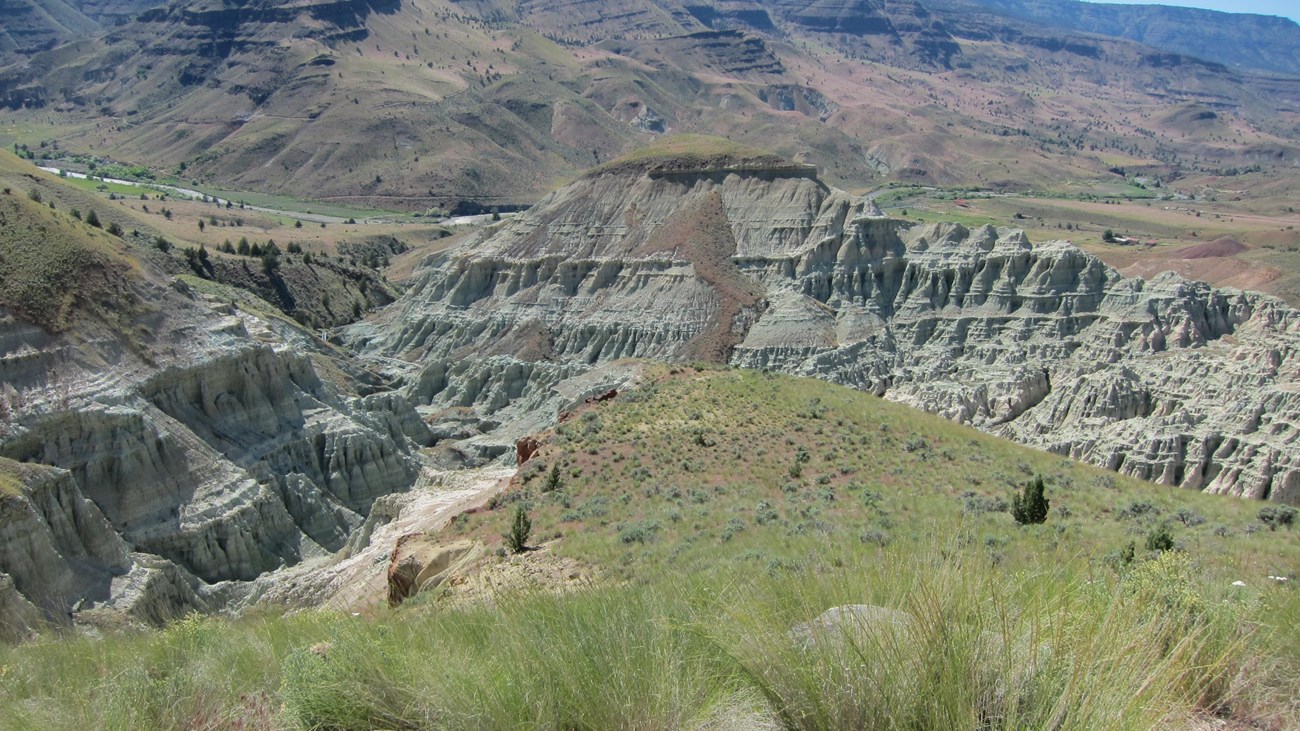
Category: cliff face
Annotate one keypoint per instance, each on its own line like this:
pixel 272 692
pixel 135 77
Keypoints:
pixel 1237 39
pixel 152 476
pixel 58 547
pixel 762 266
pixel 624 263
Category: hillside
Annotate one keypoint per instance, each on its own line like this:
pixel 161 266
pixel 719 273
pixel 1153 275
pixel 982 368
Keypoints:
pixel 468 107
pixel 55 268
pixel 316 280
pixel 682 592
pixel 32 26
pixel 704 467
pixel 765 266
pixel 1242 40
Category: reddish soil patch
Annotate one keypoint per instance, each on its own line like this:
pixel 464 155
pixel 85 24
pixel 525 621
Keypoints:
pixel 702 234
pixel 1218 248
pixel 1219 271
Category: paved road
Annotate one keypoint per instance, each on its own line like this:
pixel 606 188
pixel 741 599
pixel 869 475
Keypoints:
pixel 199 195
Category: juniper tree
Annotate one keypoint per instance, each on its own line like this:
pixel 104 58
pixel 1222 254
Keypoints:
pixel 553 480
pixel 520 528
pixel 1030 506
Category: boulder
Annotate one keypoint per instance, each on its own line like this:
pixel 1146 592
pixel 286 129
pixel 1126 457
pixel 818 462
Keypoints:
pixel 525 449
pixel 851 621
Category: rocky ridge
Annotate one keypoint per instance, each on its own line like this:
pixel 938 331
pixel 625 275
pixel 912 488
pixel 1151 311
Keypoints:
pixel 761 265
pixel 159 476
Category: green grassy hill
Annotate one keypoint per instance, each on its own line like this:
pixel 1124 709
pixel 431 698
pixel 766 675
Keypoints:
pixel 55 266
pixel 723 511
pixel 737 467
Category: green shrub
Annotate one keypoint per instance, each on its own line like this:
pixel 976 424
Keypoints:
pixel 1030 506
pixel 1160 539
pixel 972 503
pixel 520 528
pixel 640 532
pixel 1276 515
pixel 1140 509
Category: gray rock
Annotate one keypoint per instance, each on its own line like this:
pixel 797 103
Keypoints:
pixel 18 616
pixel 157 467
pixel 1166 380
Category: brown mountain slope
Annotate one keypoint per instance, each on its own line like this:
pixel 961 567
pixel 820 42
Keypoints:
pixel 426 103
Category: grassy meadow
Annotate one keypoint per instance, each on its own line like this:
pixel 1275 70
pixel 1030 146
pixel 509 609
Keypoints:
pixel 722 513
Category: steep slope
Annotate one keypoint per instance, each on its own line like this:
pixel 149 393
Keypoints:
pixel 1243 40
pixel 160 447
pixel 36 25
pixel 54 270
pixel 898 32
pixel 757 263
pixel 470 106
pixel 110 13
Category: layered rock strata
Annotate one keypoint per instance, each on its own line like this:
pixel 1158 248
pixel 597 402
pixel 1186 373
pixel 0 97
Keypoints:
pixel 148 477
pixel 757 263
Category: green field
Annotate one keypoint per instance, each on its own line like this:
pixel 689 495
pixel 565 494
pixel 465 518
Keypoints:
pixel 293 205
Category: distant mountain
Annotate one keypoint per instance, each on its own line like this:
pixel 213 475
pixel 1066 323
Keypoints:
pixel 1241 40
pixel 474 104
pixel 30 26
pixel 114 12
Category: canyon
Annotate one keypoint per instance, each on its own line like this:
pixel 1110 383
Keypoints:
pixel 226 455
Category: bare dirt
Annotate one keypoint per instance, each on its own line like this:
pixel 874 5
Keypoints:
pixel 539 569
pixel 1226 246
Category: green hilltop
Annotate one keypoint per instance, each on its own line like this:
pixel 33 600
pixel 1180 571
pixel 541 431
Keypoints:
pixel 696 153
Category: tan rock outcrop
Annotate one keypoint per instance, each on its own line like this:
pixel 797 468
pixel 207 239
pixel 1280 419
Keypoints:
pixel 420 562
pixel 525 449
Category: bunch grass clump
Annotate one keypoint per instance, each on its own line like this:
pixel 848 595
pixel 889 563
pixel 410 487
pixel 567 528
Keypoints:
pixel 944 642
